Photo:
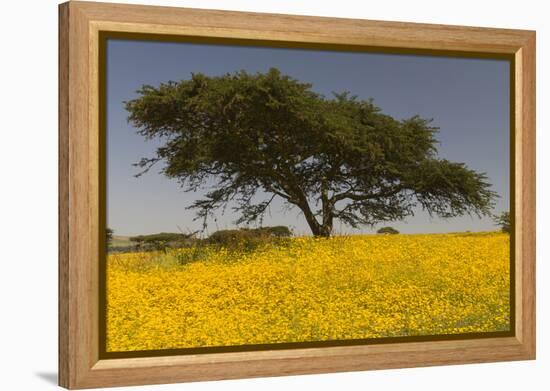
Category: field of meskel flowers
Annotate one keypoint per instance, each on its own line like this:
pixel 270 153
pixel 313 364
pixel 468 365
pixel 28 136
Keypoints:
pixel 309 289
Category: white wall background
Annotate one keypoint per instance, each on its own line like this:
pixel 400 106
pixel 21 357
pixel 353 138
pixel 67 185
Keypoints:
pixel 28 195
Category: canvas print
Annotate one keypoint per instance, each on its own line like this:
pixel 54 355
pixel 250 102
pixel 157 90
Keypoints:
pixel 263 196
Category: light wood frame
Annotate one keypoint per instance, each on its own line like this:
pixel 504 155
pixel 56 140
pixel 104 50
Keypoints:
pixel 80 24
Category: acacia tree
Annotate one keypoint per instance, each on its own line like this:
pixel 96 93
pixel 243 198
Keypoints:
pixel 333 158
pixel 503 221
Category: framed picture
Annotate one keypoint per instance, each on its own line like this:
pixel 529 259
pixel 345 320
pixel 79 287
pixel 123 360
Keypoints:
pixel 247 195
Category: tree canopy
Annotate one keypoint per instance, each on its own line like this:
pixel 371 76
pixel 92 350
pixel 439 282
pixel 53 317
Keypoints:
pixel 338 158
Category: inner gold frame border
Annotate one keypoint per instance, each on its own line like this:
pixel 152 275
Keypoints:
pixel 83 26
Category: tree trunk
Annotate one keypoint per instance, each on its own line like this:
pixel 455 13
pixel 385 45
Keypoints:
pixel 320 230
pixel 325 231
pixel 311 220
pixel 327 205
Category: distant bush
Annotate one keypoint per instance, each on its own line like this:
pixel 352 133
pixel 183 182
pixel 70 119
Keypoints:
pixel 161 241
pixel 228 236
pixel 279 231
pixel 247 237
pixel 387 231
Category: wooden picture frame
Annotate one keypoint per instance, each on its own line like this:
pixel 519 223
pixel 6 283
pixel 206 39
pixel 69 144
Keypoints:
pixel 81 162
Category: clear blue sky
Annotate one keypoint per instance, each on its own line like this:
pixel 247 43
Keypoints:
pixel 467 98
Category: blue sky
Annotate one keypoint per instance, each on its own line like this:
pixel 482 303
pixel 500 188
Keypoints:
pixel 467 98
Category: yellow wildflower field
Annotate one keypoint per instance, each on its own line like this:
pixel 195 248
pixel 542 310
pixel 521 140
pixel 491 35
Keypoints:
pixel 309 289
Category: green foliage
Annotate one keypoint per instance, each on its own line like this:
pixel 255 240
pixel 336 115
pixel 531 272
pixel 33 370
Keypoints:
pixel 230 236
pixel 159 237
pixel 249 238
pixel 278 231
pixel 333 158
pixel 196 254
pixel 161 241
pixel 387 230
pixel 503 221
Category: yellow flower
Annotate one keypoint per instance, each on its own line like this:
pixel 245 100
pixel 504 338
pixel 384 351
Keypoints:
pixel 347 287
